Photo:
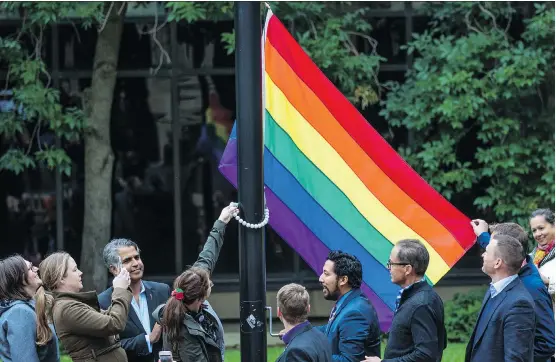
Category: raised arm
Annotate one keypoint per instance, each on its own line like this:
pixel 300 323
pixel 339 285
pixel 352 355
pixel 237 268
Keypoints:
pixel 480 228
pixel 87 321
pixel 209 255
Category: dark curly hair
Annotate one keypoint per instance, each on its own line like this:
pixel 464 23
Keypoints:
pixel 347 265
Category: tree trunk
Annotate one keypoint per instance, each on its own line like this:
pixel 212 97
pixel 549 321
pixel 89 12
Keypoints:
pixel 99 159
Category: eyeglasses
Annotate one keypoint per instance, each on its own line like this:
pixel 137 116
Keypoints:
pixel 390 263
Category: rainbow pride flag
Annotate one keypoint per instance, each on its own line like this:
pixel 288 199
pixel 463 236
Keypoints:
pixel 332 182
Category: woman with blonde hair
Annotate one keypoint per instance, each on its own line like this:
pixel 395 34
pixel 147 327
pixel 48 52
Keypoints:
pixel 86 332
pixel 20 316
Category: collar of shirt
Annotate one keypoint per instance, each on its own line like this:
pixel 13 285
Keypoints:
pixel 141 308
pixel 400 293
pixel 499 286
pixel 341 299
pixel 142 288
pixel 288 336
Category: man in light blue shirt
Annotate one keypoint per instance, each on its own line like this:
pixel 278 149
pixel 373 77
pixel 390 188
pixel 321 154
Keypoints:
pixel 141 336
pixel 141 308
pixel 505 328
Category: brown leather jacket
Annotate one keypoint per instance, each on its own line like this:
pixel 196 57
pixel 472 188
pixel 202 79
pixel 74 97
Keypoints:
pixel 87 333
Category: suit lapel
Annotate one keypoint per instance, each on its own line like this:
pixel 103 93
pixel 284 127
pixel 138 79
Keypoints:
pixel 135 319
pixel 471 344
pixel 354 293
pixel 279 359
pixel 485 300
pixel 131 315
pixel 497 301
pixel 151 303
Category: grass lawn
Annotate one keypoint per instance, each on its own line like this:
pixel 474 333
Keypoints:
pixel 454 353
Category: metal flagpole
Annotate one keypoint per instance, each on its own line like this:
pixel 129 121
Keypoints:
pixel 252 265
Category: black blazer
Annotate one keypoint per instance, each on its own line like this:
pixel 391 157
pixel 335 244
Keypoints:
pixel 417 332
pixel 133 337
pixel 307 345
pixel 509 332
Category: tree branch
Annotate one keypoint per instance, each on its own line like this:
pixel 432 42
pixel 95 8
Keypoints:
pixel 489 13
pixel 509 19
pixel 371 40
pixel 32 138
pixel 163 53
pixel 468 22
pixel 76 31
pixel 23 22
pixel 107 16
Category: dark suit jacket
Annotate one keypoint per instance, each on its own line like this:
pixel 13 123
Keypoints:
pixel 417 332
pixel 544 332
pixel 307 344
pixel 133 337
pixel 354 332
pixel 510 331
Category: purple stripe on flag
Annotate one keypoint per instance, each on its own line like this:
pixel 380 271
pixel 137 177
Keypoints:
pixel 298 236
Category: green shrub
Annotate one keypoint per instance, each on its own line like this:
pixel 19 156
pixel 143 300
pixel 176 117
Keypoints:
pixel 461 315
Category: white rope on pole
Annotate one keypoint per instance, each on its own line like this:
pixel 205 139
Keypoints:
pixel 249 225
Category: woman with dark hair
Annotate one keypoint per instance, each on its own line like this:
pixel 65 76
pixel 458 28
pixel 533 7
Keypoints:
pixel 191 328
pixel 190 334
pixel 87 333
pixel 19 284
pixel 542 227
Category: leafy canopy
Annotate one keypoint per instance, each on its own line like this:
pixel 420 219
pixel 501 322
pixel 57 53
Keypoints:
pixel 36 105
pixel 480 101
pixel 327 31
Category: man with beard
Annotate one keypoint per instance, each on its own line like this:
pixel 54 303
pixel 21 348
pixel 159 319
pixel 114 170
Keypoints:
pixel 141 336
pixel 352 330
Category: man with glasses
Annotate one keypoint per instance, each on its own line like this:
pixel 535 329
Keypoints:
pixel 417 332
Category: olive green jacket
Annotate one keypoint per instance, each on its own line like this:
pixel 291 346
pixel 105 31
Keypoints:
pixel 86 332
pixel 194 344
